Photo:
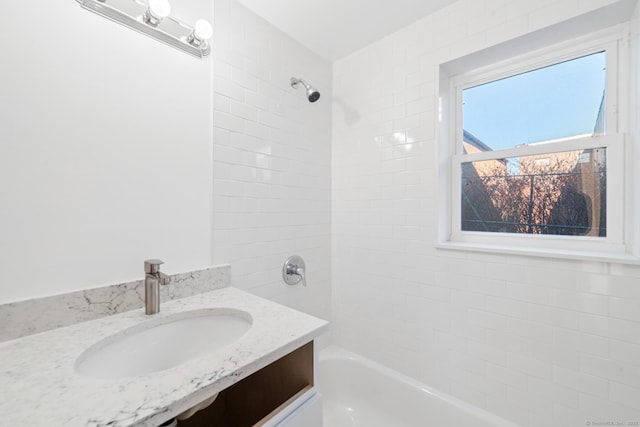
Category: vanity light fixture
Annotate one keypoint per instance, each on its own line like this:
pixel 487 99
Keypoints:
pixel 153 19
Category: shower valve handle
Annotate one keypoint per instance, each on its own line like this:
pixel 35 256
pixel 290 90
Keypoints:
pixel 293 271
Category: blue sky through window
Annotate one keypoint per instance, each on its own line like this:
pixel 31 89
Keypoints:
pixel 558 101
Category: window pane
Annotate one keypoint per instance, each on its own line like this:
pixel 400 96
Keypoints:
pixel 558 101
pixel 557 193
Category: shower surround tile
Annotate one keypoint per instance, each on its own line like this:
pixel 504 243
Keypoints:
pixel 561 335
pixel 271 160
pixel 33 316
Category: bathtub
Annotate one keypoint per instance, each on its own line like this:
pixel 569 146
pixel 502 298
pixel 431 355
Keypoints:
pixel 359 392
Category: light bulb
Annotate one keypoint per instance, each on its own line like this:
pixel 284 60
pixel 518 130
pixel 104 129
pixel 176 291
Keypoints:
pixel 203 30
pixel 158 10
pixel 201 33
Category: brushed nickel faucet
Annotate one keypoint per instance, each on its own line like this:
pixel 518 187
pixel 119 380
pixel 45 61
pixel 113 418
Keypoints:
pixel 152 281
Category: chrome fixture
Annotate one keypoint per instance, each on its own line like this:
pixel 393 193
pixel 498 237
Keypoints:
pixel 152 280
pixel 153 19
pixel 293 271
pixel 312 93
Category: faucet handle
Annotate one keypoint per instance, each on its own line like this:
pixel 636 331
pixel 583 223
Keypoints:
pixel 300 272
pixel 152 266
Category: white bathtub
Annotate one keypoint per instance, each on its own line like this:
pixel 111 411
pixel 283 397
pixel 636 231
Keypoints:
pixel 360 392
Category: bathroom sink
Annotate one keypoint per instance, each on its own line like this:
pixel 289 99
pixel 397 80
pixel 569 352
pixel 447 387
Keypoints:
pixel 163 343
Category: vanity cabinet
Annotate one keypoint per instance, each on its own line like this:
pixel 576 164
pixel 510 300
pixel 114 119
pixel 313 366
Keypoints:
pixel 280 394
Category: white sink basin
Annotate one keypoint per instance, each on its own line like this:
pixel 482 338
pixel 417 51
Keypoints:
pixel 163 343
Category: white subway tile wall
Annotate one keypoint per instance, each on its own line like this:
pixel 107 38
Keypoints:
pixel 540 341
pixel 271 160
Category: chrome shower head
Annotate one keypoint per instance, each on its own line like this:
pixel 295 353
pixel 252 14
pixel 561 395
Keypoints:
pixel 312 93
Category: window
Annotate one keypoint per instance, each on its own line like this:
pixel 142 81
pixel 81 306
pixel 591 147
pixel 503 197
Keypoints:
pixel 536 153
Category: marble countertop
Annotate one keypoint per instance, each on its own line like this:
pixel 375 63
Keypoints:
pixel 39 387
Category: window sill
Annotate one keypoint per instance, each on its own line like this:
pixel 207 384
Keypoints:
pixel 544 253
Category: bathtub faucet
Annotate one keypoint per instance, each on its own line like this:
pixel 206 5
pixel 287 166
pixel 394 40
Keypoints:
pixel 152 280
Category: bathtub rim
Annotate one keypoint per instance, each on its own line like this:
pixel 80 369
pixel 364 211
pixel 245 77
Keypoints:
pixel 334 352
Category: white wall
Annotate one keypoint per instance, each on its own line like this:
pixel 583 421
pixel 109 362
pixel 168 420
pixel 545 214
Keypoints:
pixel 272 168
pixel 105 150
pixel 544 342
pixel 635 99
pixel 111 153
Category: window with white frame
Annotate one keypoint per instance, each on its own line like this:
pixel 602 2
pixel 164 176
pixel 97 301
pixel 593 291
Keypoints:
pixel 536 152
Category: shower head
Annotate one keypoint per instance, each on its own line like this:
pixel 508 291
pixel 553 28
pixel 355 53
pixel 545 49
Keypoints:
pixel 312 93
